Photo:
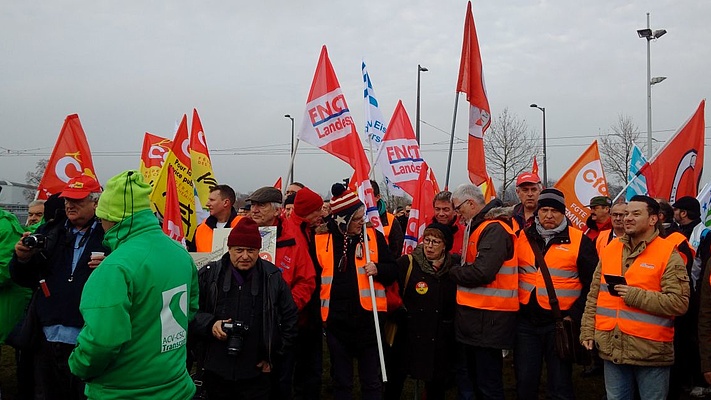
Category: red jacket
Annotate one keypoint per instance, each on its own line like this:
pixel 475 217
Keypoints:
pixel 594 228
pixel 292 258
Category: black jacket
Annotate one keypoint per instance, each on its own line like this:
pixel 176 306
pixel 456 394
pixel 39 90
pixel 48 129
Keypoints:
pixel 54 265
pixel 279 314
pixel 587 262
pixel 479 327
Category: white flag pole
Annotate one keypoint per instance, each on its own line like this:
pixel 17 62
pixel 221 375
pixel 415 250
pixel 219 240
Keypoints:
pixel 378 336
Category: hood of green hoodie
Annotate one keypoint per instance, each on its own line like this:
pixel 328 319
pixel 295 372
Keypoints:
pixel 138 223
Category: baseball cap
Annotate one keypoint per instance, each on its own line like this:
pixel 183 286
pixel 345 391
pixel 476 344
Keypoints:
pixel 527 177
pixel 600 201
pixel 80 187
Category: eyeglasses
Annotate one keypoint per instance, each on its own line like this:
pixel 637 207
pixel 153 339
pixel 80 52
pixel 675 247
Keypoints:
pixel 456 208
pixel 432 242
pixel 618 215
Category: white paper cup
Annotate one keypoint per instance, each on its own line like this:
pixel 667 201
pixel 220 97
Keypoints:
pixel 96 254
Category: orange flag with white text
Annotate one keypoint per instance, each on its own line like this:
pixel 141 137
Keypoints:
pixel 203 175
pixel 584 180
pixel 172 221
pixel 155 152
pixel 675 171
pixel 471 82
pixel 70 157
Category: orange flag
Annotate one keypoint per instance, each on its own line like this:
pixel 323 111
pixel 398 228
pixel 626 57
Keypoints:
pixel 70 157
pixel 534 169
pixel 172 224
pixel 584 180
pixel 676 169
pixel 203 176
pixel 490 192
pixel 471 82
pixel 155 152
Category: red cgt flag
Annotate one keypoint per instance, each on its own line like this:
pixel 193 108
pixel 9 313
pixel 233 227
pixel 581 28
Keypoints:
pixel 471 82
pixel 422 211
pixel 71 157
pixel 172 221
pixel 676 169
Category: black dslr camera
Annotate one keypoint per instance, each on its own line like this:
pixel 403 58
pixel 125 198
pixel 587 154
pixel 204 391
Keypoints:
pixel 36 241
pixel 235 336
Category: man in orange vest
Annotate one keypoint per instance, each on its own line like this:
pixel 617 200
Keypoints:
pixel 631 318
pixel 346 303
pixel 570 258
pixel 487 288
pixel 222 215
pixel 617 215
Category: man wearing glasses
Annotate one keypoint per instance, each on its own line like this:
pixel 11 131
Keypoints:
pixel 487 288
pixel 617 213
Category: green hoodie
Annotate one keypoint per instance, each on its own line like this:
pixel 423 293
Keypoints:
pixel 13 298
pixel 136 307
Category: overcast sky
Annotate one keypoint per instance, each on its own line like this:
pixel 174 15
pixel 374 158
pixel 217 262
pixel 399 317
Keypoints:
pixel 132 67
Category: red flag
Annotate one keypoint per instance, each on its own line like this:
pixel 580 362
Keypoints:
pixel 70 157
pixel 584 180
pixel 203 176
pixel 172 221
pixel 155 152
pixel 277 184
pixel 422 210
pixel 676 169
pixel 534 169
pixel 471 82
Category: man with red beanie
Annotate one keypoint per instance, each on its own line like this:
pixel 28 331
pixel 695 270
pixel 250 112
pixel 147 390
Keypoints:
pixel 293 260
pixel 308 352
pixel 247 318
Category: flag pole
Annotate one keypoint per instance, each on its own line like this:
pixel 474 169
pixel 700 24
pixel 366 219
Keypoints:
pixel 451 139
pixel 378 336
pixel 291 164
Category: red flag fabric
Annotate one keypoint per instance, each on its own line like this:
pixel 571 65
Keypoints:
pixel 422 211
pixel 584 180
pixel 278 183
pixel 155 152
pixel 534 169
pixel 172 221
pixel 70 157
pixel 399 156
pixel 327 120
pixel 675 171
pixel 203 175
pixel 471 82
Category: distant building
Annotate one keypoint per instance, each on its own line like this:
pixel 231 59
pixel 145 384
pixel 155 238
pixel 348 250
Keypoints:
pixel 13 198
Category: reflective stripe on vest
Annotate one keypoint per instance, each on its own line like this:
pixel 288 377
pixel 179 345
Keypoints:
pixel 203 236
pixel 645 273
pixel 562 262
pixel 499 295
pixel 324 253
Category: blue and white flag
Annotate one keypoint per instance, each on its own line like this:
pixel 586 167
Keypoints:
pixel 375 124
pixel 704 199
pixel 637 182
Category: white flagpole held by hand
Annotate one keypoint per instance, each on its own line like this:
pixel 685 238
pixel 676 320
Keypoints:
pixel 378 336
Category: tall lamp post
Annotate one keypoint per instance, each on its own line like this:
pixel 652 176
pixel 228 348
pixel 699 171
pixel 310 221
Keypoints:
pixel 420 68
pixel 545 158
pixel 649 35
pixel 291 170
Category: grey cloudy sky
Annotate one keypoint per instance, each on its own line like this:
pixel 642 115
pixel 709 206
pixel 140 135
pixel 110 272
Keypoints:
pixel 133 66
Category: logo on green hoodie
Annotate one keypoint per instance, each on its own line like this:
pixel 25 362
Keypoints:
pixel 174 318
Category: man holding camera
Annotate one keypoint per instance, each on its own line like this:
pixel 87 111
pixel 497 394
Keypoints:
pixel 246 320
pixel 57 260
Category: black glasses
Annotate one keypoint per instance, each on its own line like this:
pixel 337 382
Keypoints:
pixel 456 208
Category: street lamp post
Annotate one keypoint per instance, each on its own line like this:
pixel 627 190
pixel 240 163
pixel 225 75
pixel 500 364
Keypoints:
pixel 649 35
pixel 420 68
pixel 291 170
pixel 545 158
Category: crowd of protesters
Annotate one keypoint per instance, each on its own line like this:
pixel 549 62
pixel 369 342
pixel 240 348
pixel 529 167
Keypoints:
pixel 99 303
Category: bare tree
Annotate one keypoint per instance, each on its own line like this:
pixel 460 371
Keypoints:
pixel 615 148
pixel 34 177
pixel 509 147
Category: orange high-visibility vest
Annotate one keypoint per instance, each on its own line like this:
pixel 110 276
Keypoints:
pixel 562 262
pixel 203 236
pixel 324 253
pixel 602 240
pixel 502 293
pixel 678 238
pixel 388 227
pixel 646 273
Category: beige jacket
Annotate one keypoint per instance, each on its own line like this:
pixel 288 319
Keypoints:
pixel 621 348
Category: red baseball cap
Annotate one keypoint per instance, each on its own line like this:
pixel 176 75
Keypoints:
pixel 527 177
pixel 80 187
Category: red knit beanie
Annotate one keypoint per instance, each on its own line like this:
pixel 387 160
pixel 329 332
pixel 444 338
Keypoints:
pixel 306 202
pixel 245 234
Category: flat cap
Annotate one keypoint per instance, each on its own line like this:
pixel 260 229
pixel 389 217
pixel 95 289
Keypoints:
pixel 267 194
